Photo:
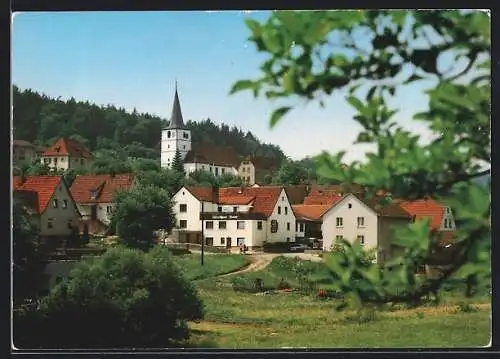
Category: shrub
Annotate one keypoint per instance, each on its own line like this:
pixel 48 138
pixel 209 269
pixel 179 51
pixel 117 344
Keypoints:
pixel 283 284
pixel 125 298
pixel 466 308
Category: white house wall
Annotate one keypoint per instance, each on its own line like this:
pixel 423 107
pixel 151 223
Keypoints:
pixel 232 231
pixel 59 217
pixel 102 211
pixel 192 214
pixel 283 233
pixel 350 230
pixel 448 216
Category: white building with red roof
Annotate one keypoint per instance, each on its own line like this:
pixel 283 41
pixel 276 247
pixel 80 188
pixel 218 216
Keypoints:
pixel 94 196
pixel 234 216
pixel 66 154
pixel 49 200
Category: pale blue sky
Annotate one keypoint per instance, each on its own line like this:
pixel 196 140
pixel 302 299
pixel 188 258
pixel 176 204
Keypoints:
pixel 131 59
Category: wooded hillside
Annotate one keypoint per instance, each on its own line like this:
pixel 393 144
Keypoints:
pixel 42 120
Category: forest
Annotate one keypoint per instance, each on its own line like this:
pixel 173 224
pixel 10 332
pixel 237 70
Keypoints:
pixel 42 120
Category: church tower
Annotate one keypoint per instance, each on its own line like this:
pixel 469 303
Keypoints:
pixel 174 137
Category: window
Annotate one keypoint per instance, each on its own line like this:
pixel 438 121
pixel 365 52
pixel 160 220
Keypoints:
pixel 446 223
pixel 216 171
pixel 222 241
pixel 183 207
pixel 108 209
pixel 222 225
pixel 296 226
pixel 211 169
pixel 240 224
pixel 286 210
pixel 361 221
pixel 65 203
pixel 81 161
pixel 361 239
pixel 235 209
pixel 185 135
pixel 54 203
pixel 279 209
pixel 339 237
pixel 183 223
pixel 209 225
pixel 168 134
pixel 168 146
pixel 282 198
pixel 259 225
pixel 349 205
pixel 62 159
pixel 184 147
pixel 287 239
pixel 287 226
pixel 340 222
pixel 240 241
pixel 248 179
pixel 209 241
pixel 302 226
pixel 50 225
pixel 223 170
pixel 274 226
pixel 219 209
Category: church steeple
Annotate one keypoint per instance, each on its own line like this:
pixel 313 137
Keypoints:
pixel 176 121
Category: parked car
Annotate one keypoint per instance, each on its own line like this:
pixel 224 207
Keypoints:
pixel 299 248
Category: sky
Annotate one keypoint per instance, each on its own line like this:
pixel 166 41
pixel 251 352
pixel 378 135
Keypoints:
pixel 132 60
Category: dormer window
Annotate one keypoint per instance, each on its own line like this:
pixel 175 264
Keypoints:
pixel 93 195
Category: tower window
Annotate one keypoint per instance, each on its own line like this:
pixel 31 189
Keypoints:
pixel 185 135
pixel 168 134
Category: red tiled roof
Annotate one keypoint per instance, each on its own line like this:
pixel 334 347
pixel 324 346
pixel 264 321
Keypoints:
pixel 236 200
pixel 83 186
pixel 296 194
pixel 425 208
pixel 213 155
pixel 207 194
pixel 325 199
pixel 265 197
pixel 67 147
pixel 44 186
pixel 311 212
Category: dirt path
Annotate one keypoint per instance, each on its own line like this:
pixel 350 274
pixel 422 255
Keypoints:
pixel 257 262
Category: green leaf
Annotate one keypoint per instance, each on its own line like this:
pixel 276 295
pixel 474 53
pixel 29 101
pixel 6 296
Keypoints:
pixel 254 26
pixel 278 114
pixel 242 85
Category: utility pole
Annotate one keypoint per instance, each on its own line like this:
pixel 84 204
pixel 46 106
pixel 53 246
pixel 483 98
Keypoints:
pixel 202 235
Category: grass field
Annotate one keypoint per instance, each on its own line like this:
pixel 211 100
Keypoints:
pixel 240 320
pixel 213 265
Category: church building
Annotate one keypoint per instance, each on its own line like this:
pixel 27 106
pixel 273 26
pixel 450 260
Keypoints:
pixel 215 159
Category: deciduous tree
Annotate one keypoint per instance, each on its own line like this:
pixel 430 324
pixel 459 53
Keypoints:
pixel 371 55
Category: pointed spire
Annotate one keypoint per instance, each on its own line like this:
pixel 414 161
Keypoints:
pixel 176 120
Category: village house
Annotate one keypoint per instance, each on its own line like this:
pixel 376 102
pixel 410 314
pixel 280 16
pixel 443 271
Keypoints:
pixel 24 151
pixel 254 169
pixel 67 154
pixel 371 223
pixel 53 208
pixel 94 196
pixel 229 217
pixel 309 218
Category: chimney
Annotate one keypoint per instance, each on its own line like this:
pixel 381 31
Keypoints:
pixel 22 176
